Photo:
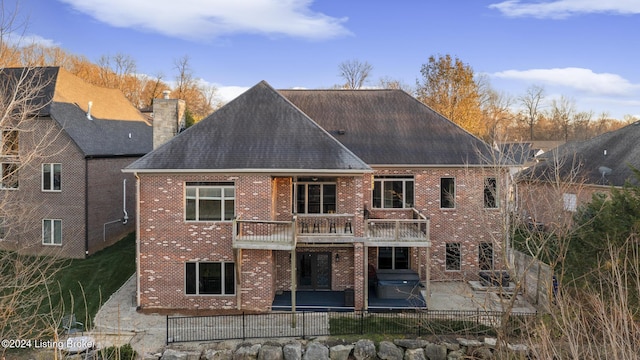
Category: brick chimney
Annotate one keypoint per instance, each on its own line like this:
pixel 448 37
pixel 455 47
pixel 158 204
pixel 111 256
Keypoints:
pixel 168 118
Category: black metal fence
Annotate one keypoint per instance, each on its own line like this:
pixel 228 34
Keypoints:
pixel 306 324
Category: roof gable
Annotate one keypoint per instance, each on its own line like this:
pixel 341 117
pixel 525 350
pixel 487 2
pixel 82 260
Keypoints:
pixel 603 160
pixel 260 129
pixel 390 127
pixel 117 128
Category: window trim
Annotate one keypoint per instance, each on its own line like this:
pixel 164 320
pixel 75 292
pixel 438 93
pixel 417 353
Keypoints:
pixel 382 179
pixel 453 198
pixel 570 202
pixel 51 177
pixel 52 237
pixel 493 191
pixel 481 252
pixel 3 149
pixel 447 254
pixel 209 185
pixel 393 257
pixel 3 228
pixel 16 173
pixel 320 182
pixel 223 275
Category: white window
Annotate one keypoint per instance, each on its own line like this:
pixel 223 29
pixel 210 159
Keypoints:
pixel 209 201
pixel 490 193
pixel 316 196
pixel 10 145
pixel 569 201
pixel 447 193
pixel 393 258
pixel 210 278
pixel 51 177
pixel 9 176
pixel 3 228
pixel 453 257
pixel 393 192
pixel 51 231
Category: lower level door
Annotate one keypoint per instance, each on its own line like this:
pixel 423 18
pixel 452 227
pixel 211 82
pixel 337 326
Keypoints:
pixel 314 271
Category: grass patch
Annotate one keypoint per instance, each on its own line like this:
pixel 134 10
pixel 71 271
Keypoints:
pixel 83 285
pixel 415 326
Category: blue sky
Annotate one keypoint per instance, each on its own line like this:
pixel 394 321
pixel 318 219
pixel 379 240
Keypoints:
pixel 585 50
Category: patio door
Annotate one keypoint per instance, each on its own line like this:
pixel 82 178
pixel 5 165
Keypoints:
pixel 314 271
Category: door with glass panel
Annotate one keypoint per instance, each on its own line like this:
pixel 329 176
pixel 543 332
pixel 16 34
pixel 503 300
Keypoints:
pixel 314 271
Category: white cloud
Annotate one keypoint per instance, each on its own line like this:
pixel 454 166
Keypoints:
pixel 584 80
pixel 228 93
pixel 560 9
pixel 206 19
pixel 28 40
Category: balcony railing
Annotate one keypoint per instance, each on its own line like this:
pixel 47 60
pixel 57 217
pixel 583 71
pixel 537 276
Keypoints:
pixel 284 235
pixel 259 234
pixel 325 224
pixel 398 230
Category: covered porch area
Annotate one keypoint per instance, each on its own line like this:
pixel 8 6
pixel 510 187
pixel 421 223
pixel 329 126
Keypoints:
pixel 342 301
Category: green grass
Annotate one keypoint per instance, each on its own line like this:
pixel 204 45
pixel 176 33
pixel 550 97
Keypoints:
pixel 346 325
pixel 83 285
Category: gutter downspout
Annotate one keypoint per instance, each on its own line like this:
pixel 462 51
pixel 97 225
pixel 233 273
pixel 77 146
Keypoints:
pixel 86 207
pixel 137 240
pixel 125 219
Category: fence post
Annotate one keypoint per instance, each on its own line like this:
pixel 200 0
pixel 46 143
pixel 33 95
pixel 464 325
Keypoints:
pixel 243 327
pixel 303 324
pixel 167 326
pixel 361 322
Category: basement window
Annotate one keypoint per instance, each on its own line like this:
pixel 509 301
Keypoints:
pixel 210 278
pixel 453 257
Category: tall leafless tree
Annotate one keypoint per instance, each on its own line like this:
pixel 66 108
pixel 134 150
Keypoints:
pixel 532 103
pixel 354 73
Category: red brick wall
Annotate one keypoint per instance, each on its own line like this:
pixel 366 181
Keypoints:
pixel 469 223
pixel 167 241
pixel 544 202
pixel 27 206
pixel 105 201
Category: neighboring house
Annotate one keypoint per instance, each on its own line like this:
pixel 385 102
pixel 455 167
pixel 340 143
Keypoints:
pixel 312 190
pixel 567 176
pixel 63 191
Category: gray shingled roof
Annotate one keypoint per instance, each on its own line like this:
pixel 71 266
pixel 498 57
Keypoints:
pixel 61 93
pixel 103 138
pixel 586 161
pixel 390 127
pixel 260 129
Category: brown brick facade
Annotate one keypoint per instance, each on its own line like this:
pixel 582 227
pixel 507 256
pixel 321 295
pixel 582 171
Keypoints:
pixel 167 241
pixel 90 195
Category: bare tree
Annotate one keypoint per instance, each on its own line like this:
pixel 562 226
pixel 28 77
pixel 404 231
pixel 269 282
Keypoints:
pixel 562 112
pixel 532 103
pixel 354 73
pixel 389 83
pixel 496 111
pixel 25 280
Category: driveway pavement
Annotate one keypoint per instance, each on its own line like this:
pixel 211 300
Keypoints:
pixel 117 323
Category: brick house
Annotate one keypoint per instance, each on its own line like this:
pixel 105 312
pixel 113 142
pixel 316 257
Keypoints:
pixel 312 190
pixel 566 177
pixel 63 191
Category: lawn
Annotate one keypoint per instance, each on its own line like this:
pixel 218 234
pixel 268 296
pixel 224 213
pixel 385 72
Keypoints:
pixel 85 284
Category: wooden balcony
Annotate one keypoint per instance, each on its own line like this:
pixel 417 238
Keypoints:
pixel 264 235
pixel 398 232
pixel 329 228
pixel 319 228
